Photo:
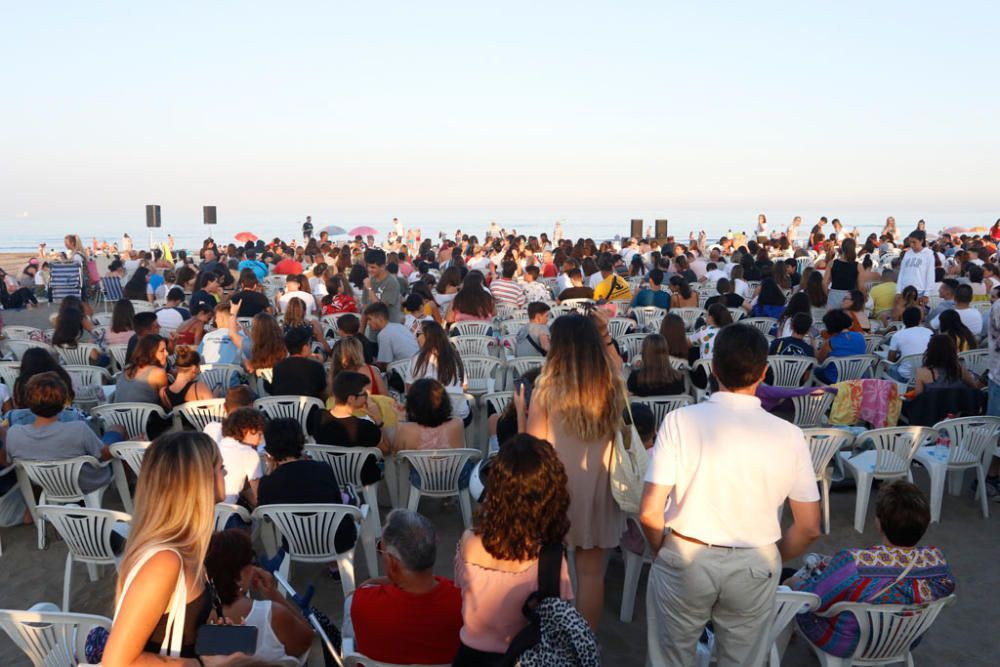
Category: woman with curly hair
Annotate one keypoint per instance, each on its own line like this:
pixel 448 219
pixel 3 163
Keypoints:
pixel 267 343
pixel 297 317
pixel 524 508
pixel 578 405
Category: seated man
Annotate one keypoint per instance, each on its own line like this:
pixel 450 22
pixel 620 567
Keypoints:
pixel 533 337
pixel 236 397
pixel 653 295
pixel 242 432
pixel 341 426
pixel 894 572
pixel 576 290
pixel 349 326
pixel 395 342
pixel 299 373
pixel 795 345
pixel 48 439
pixel 408 616
pixel 223 345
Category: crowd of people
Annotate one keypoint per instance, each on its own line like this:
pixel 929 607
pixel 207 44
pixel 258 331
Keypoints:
pixel 718 544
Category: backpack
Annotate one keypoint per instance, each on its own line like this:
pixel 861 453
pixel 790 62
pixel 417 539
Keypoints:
pixel 556 633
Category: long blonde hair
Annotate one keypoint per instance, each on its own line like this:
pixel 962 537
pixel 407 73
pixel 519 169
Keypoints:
pixel 174 502
pixel 578 383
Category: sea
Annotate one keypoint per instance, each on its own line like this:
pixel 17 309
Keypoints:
pixel 23 232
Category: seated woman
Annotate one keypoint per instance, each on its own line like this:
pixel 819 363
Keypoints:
pixel 349 355
pixel 656 376
pixel 208 289
pixel 249 597
pixel 69 333
pixel 854 305
pixel 840 342
pixel 439 360
pixel 187 385
pixel 950 323
pixel 293 478
pixel 339 296
pixel 13 295
pixel 265 346
pixel 122 323
pixel 770 301
pixel 894 572
pixel 429 424
pixel 296 318
pixel 473 301
pixel 941 368
pixel 353 421
pixel 496 565
pixel 144 378
pixel 908 298
pixel 681 294
pixel 716 317
pixel 192 330
pixel 514 418
pixel 138 287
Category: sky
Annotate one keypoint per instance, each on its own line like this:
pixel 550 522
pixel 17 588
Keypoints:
pixel 368 109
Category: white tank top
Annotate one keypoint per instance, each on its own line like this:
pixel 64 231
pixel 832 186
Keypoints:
pixel 269 647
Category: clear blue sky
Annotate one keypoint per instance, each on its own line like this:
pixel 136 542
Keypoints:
pixel 348 107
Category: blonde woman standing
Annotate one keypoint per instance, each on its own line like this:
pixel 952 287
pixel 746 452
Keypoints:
pixel 167 545
pixel 578 403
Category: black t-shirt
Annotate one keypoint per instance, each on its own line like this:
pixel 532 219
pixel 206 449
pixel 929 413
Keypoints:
pixel 309 482
pixel 298 376
pixel 792 347
pixel 662 389
pixel 201 296
pixel 730 299
pixel 349 432
pixel 250 302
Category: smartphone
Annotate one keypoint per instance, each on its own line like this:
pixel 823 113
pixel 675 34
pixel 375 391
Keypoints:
pixel 226 640
pixel 521 382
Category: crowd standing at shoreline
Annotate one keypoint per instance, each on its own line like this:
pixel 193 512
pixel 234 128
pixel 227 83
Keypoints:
pixel 385 338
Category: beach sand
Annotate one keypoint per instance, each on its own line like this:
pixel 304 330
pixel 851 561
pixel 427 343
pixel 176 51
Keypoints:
pixel 14 262
pixel 960 636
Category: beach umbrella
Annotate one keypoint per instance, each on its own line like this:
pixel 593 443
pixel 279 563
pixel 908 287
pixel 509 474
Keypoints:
pixel 243 237
pixel 333 230
pixel 363 231
pixel 979 230
pixel 955 230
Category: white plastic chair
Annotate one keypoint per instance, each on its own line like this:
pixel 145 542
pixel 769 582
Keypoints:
pixel 19 347
pixel 761 324
pixel 200 413
pixel 127 453
pixel 787 604
pixel 133 417
pixel 702 393
pixel 88 375
pixel 890 459
pixel 518 367
pixel 347 463
pixel 220 375
pixel 498 400
pixel 689 315
pixel 853 367
pixel 20 332
pixel 118 352
pixel 9 372
pixel 471 345
pixel 309 530
pixel 87 534
pixel 631 345
pixel 293 407
pixel 439 470
pixel 261 378
pixel 662 405
pixel 512 326
pixel 620 326
pixel 482 373
pixel 810 409
pixel 650 317
pixel 225 511
pixel 60 484
pixel 967 452
pixel 49 637
pixel 401 367
pixel 737 313
pixel 910 361
pixel 885 631
pixel 77 355
pixel 10 499
pixel 789 370
pixel 472 328
pixel 633 570
pixel 976 361
pixel 823 444
pixel 872 342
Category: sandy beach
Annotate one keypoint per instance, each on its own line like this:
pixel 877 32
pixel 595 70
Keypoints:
pixel 14 262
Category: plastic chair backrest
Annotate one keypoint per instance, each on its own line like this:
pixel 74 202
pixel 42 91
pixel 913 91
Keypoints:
pixel 631 344
pixel 887 631
pixel 201 413
pixel 293 407
pixel 895 447
pixel 308 529
pixel 225 511
pixel 810 408
pixel 118 352
pixel 21 332
pixel 620 326
pixel 346 462
pixel 60 480
pixel 976 361
pixel 649 317
pixel 130 452
pixel 498 400
pixel 823 444
pixel 761 324
pixel 852 367
pixel 51 638
pixel 439 469
pixel 133 417
pixel 473 345
pixel 662 405
pixel 789 370
pixel 85 530
pixel 971 448
pixel 220 375
pixel 472 328
pixel 19 347
pixel 78 355
pixel 788 603
pixel 957 429
pixel 689 315
pixel 480 370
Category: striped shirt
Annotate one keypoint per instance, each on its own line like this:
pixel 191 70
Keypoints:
pixel 507 293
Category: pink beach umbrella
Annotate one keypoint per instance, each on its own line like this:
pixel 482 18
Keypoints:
pixel 243 237
pixel 363 231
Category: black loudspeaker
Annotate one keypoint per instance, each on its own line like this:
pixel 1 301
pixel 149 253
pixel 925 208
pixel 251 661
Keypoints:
pixel 636 228
pixel 209 214
pixel 661 229
pixel 153 215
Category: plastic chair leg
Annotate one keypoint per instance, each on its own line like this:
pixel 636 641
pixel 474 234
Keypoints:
pixel 955 481
pixel 345 563
pixel 465 503
pixel 633 569
pixel 121 483
pixel 414 501
pixel 67 581
pixel 981 486
pixel 368 540
pixel 825 492
pixel 864 490
pixel 937 474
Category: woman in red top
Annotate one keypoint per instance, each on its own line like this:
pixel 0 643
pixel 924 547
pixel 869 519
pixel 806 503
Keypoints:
pixel 995 230
pixel 340 296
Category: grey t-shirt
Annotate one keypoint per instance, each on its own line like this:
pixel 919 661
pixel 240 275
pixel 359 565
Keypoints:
pixel 387 291
pixel 60 440
pixel 396 342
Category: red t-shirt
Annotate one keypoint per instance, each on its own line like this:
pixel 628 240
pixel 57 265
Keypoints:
pixel 288 267
pixel 549 270
pixel 391 625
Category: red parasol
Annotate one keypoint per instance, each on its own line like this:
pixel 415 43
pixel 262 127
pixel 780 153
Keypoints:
pixel 363 231
pixel 243 237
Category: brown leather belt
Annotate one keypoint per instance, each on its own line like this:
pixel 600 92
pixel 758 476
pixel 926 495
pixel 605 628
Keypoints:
pixel 695 540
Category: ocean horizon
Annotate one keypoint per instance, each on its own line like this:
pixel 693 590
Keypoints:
pixel 23 233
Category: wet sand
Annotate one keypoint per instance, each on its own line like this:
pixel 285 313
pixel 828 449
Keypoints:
pixel 960 636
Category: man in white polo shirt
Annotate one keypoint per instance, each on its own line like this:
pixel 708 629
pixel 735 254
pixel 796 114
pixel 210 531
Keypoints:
pixel 719 472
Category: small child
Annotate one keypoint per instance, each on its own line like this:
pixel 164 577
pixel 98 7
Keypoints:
pixel 533 338
pixel 414 313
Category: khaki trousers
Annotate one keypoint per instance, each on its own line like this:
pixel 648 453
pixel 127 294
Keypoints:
pixel 691 584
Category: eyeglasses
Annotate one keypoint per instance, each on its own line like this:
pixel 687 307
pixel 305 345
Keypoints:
pixel 381 550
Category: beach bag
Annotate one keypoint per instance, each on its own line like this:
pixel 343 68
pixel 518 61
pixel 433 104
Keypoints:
pixel 556 634
pixel 628 466
pixel 173 635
